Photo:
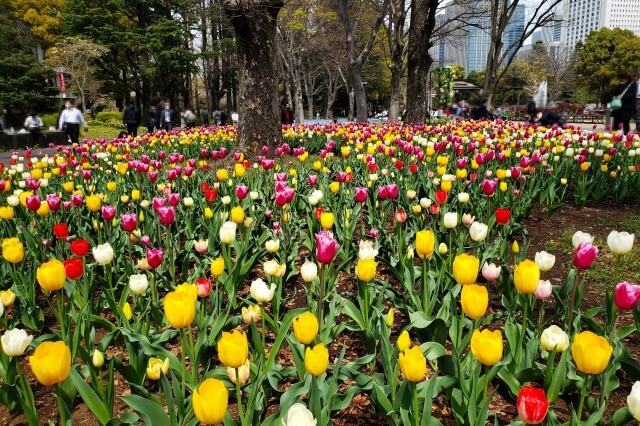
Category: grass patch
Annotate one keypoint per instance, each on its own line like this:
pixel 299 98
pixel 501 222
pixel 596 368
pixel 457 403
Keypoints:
pixel 631 224
pixel 562 244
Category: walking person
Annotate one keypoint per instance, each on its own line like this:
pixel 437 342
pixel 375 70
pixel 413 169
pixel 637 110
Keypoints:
pixel 166 118
pixel 33 123
pixel 287 115
pixel 150 119
pixel 205 118
pixel 626 92
pixel 131 119
pixel 189 119
pixel 532 110
pixel 70 120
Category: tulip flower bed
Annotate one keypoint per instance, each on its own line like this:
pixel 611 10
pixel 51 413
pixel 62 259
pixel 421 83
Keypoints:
pixel 169 280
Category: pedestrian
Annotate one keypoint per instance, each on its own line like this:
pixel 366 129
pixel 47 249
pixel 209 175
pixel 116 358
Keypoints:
pixel 286 115
pixel 532 110
pixel 150 119
pixel 189 118
pixel 33 123
pixel 158 117
pixel 223 118
pixel 167 118
pixel 70 120
pixel 626 93
pixel 205 118
pixel 131 119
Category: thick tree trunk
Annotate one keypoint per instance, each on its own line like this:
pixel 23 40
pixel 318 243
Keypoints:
pixel 394 103
pixel 358 92
pixel 259 115
pixel 423 18
pixel 308 91
pixel 298 102
pixel 352 102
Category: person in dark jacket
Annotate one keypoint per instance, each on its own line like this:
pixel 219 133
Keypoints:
pixel 481 112
pixel 532 110
pixel 158 118
pixel 131 119
pixel 167 118
pixel 223 118
pixel 150 119
pixel 287 115
pixel 626 92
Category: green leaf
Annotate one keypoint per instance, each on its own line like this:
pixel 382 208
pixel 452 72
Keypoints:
pixel 150 412
pixel 90 397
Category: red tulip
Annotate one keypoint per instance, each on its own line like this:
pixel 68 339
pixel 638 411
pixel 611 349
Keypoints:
pixel 74 268
pixel 154 257
pixel 326 247
pixel 61 230
pixel 441 196
pixel 167 215
pixel 503 215
pixel 79 247
pixel 532 405
pixel 129 222
pixel 204 287
pixel 210 194
pixel 585 255
pixel 360 194
pixel 627 295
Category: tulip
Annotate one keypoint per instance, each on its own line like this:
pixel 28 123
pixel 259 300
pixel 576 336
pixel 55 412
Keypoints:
pixel 553 337
pixel 366 269
pixel 251 314
pixel 620 243
pixel 243 376
pixel 585 255
pixel 103 254
pixel 138 284
pixel 491 272
pixel 108 213
pixel 450 220
pixel 61 230
pixel 366 250
pixel 544 260
pixel 79 247
pixel 261 292
pixel 7 298
pixel 581 237
pixel 217 267
pixel 515 247
pixel 465 269
pixel 127 311
pixel 478 231
pixel 316 360
pixel 237 215
pixel 487 346
pixel 51 275
pixel 190 290
pixel 305 328
pixel 309 271
pixel 74 268
pixel 228 232
pixel 489 186
pixel 388 320
pixel 626 295
pixel 201 246
pixel 51 362
pixel 474 300
pixel 272 246
pixel 326 247
pixel 503 215
pixel 544 290
pixel 93 203
pixel 360 194
pixel 467 219
pixel 203 286
pixel 129 222
pixel 404 341
pixel 591 353
pixel 15 342
pixel 526 276
pixel 299 415
pixel 270 267
pixel 413 364
pixel 179 308
pixel 97 358
pixel 154 257
pixel 156 367
pixel 425 244
pixel 633 401
pixel 12 250
pixel 233 349
pixel 532 405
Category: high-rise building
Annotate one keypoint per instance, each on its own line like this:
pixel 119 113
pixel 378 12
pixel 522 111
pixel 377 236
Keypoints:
pixel 479 39
pixel 514 31
pixel 583 16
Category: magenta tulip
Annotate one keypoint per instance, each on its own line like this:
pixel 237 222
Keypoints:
pixel 326 247
pixel 167 215
pixel 360 194
pixel 585 255
pixel 129 222
pixel 313 180
pixel 392 191
pixel 174 199
pixel 33 202
pixel 242 191
pixel 54 202
pixel 627 295
pixel 158 202
pixel 108 212
pixel 489 186
pixel 154 257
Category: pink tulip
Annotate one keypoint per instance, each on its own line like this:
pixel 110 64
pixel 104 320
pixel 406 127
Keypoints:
pixel 158 202
pixel 204 287
pixel 383 192
pixel 326 247
pixel 167 215
pixel 281 198
pixel 627 295
pixel 491 272
pixel 489 186
pixel 392 191
pixel 145 240
pixel 174 199
pixel 374 232
pixel 108 212
pixel 544 290
pixel 313 180
pixel 360 194
pixel 54 201
pixel 242 191
pixel 33 202
pixel 154 257
pixel 585 255
pixel 129 221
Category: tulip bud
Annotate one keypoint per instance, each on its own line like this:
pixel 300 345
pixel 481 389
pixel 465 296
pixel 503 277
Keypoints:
pixel 442 249
pixel 244 373
pixel 389 318
pixel 404 341
pixel 97 359
pixel 633 401
pixel 515 247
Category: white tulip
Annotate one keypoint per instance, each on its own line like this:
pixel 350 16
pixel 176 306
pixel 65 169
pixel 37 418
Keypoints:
pixel 13 200
pixel 299 415
pixel 270 267
pixel 228 232
pixel 463 197
pixel 553 337
pixel 15 342
pixel 425 203
pixel 620 242
pixel 545 261
pixel 581 237
pixel 309 271
pixel 254 195
pixel 138 284
pixel 103 254
pixel 450 220
pixel 226 200
pixel 366 250
pixel 261 292
pixel 201 246
pixel 633 401
pixel 272 246
pixel 478 231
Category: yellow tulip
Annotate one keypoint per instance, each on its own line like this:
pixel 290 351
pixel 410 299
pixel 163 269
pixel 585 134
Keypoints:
pixel 446 185
pixel 425 244
pixel 404 341
pixel 156 366
pixel 334 187
pixel 239 170
pixel 51 362
pixel 179 308
pixel 210 401
pixel 12 250
pixel 237 214
pixel 305 327
pixel 389 318
pixel 413 364
pixel 6 213
pixel 316 360
pixel 51 275
pixel 233 349
pixel 326 220
pixel 135 194
pixel 474 300
pixel 465 269
pixel 591 352
pixel 126 310
pixel 43 210
pixel 93 203
pixel 487 346
pixel 217 267
pixel 7 297
pixel 208 213
pixel 366 269
pixel 526 276
pixel 190 289
pixel 221 174
pixel 111 186
pixel 68 186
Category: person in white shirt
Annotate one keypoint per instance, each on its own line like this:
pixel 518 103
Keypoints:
pixel 70 120
pixel 33 123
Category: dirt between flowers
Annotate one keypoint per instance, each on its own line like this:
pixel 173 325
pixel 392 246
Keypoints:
pixel 543 234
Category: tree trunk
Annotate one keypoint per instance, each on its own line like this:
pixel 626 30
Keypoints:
pixel 394 103
pixel 423 19
pixel 308 90
pixel 358 92
pixel 298 102
pixel 352 101
pixel 254 25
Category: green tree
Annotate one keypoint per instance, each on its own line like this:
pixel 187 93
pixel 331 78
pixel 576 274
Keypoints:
pixel 23 80
pixel 43 17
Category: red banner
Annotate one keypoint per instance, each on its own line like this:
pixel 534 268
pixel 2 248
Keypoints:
pixel 63 87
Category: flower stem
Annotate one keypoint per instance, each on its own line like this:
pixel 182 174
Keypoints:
pixel 184 360
pixel 321 298
pixel 583 393
pixel 416 418
pixel 572 297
